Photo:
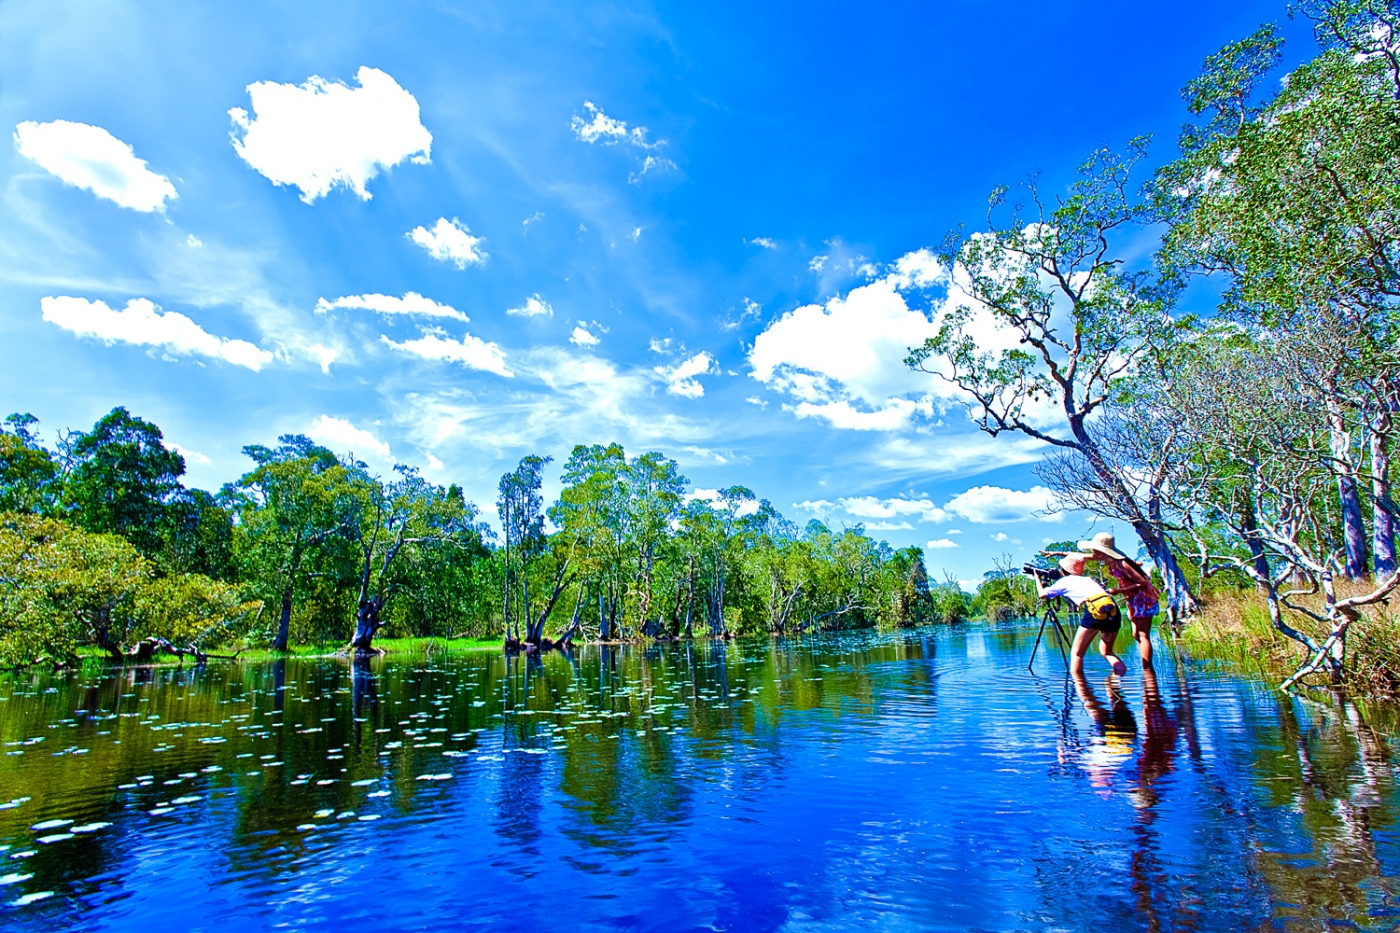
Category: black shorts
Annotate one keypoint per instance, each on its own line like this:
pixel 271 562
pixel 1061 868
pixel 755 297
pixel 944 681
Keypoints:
pixel 1109 626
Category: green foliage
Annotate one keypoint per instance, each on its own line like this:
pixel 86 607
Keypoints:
pixel 120 478
pixel 28 471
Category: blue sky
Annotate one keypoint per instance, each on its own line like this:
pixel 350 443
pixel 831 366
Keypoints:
pixel 455 234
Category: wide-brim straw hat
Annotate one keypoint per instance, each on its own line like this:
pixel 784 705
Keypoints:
pixel 1102 543
pixel 1073 563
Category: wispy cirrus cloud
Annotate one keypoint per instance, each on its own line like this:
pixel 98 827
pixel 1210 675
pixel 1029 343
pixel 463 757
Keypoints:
pixel 142 323
pixel 91 158
pixel 323 134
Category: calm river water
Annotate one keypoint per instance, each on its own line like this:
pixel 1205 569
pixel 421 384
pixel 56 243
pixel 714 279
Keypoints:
pixel 892 782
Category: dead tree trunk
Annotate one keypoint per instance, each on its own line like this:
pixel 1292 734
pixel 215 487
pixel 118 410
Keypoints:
pixel 367 623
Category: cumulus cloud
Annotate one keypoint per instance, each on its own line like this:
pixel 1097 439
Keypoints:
pixel 940 544
pixel 91 158
pixel 324 133
pixel 450 241
pixel 340 435
pixel 712 496
pixel 986 505
pixel 410 303
pixel 533 307
pixel 762 241
pixel 472 352
pixel 583 338
pixel 143 324
pixel 842 361
pixel 680 379
pixel 871 507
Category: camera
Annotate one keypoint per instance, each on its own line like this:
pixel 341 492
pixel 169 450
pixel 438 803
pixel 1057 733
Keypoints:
pixel 1045 574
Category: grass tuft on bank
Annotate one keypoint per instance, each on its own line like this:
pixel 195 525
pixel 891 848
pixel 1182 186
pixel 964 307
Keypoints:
pixel 1234 627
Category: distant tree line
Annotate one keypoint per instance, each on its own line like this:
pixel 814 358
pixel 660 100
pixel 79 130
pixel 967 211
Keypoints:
pixel 101 544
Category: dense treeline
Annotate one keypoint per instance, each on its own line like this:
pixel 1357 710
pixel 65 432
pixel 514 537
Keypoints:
pixel 1251 444
pixel 101 544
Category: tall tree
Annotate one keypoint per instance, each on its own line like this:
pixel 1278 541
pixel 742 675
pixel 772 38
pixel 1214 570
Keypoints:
pixel 291 505
pixel 29 476
pixel 120 479
pixel 1295 198
pixel 1080 320
pixel 396 527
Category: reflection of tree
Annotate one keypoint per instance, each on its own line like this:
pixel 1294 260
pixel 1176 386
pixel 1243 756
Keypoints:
pixel 1328 772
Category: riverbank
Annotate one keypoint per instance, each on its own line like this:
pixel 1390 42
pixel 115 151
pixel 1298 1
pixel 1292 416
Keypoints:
pixel 400 647
pixel 1235 628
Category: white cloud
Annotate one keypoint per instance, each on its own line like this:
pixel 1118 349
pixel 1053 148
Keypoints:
pixel 762 241
pixel 583 338
pixel 1001 536
pixel 635 235
pixel 194 242
pixel 651 164
pixel 599 127
pixel 992 504
pixel 323 133
pixel 410 303
pixel 534 218
pixel 91 158
pixel 449 241
pixel 471 352
pixel 843 361
pixel 841 414
pixel 817 263
pixel 680 379
pixel 191 456
pixel 755 400
pixel 888 526
pixel 533 306
pixel 871 507
pixel 341 436
pixel 325 356
pixel 142 323
pixel 747 507
pixel 941 544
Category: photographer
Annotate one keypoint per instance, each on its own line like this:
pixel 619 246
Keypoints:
pixel 1101 615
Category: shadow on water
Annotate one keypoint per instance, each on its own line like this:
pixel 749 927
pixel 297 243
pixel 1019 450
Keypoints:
pixel 914 780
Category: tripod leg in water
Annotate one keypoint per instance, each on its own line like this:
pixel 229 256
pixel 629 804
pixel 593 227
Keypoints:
pixel 1051 617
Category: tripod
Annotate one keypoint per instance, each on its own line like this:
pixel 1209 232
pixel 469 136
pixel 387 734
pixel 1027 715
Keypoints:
pixel 1051 616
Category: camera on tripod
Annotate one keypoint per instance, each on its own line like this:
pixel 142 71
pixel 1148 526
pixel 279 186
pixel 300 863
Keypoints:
pixel 1044 574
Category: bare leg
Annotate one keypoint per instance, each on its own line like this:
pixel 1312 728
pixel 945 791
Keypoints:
pixel 1106 640
pixel 1082 638
pixel 1142 634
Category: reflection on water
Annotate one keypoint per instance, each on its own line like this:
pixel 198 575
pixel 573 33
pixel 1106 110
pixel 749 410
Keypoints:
pixel 911 781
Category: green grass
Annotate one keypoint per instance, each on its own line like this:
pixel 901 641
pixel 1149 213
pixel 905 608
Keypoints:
pixel 1234 628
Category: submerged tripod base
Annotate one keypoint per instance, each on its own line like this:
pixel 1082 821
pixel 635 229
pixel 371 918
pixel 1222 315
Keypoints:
pixel 1051 617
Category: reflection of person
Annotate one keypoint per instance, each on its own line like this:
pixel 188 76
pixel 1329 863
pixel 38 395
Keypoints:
pixel 1134 585
pixel 1101 615
pixel 1116 725
pixel 1159 744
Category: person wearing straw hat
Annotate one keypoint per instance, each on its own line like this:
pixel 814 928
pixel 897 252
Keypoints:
pixel 1102 618
pixel 1134 585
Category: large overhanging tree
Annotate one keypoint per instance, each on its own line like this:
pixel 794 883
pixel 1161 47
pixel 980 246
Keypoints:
pixel 1081 321
pixel 1296 200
